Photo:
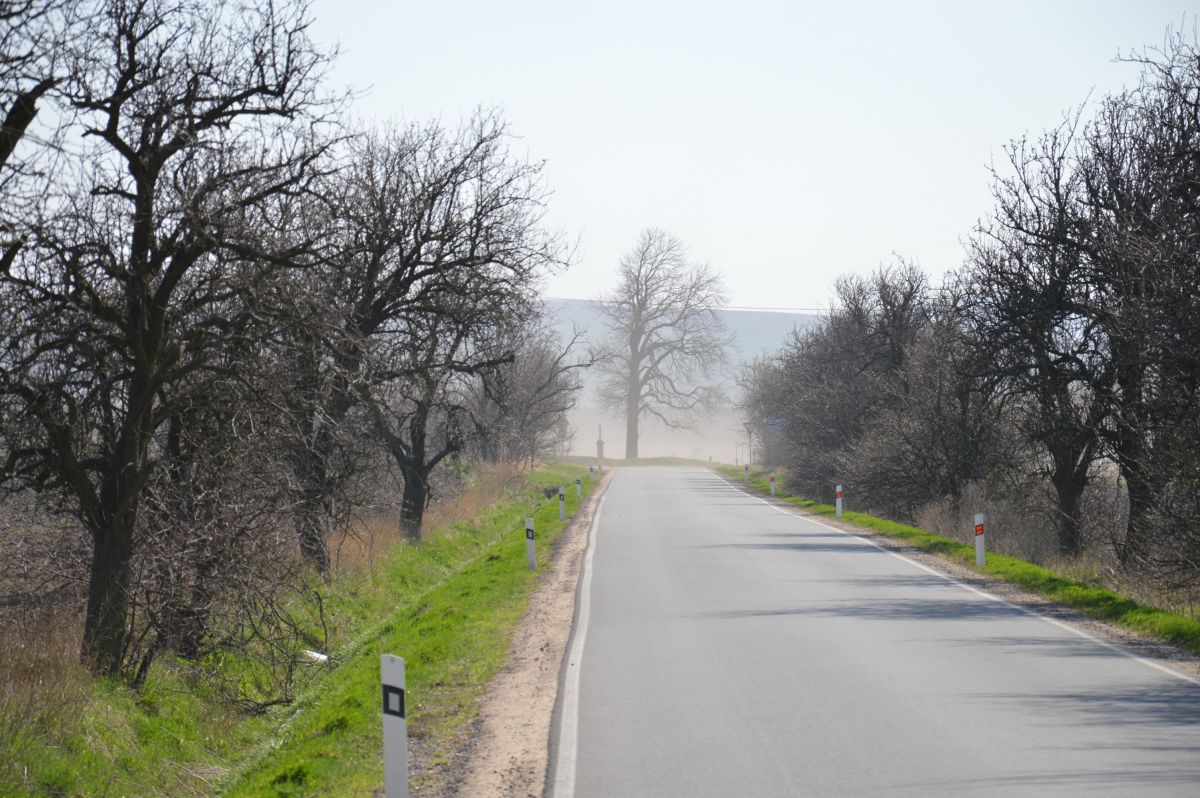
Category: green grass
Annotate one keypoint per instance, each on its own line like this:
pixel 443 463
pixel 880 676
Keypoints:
pixel 1097 602
pixel 454 636
pixel 448 606
pixel 92 737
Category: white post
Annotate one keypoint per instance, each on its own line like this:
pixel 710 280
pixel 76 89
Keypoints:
pixel 579 485
pixel 837 501
pixel 979 536
pixel 591 472
pixel 395 727
pixel 772 484
pixel 746 474
pixel 530 546
pixel 562 503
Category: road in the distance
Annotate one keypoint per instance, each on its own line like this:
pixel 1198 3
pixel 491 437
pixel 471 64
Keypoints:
pixel 735 650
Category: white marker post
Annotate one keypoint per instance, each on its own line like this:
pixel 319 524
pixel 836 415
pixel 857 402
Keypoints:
pixel 591 472
pixel 562 503
pixel 579 485
pixel 530 546
pixel 395 727
pixel 979 540
pixel 837 501
pixel 772 484
pixel 746 474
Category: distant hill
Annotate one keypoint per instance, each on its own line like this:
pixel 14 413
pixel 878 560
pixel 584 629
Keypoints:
pixel 755 333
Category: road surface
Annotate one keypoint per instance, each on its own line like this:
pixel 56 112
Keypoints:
pixel 727 648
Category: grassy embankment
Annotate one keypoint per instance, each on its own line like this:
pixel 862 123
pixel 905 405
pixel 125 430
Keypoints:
pixel 448 606
pixel 1095 600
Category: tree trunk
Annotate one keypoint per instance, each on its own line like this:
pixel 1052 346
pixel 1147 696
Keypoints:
pixel 1072 463
pixel 104 627
pixel 412 506
pixel 633 407
pixel 310 529
pixel 1141 502
pixel 416 473
pixel 319 483
pixel 1069 491
pixel 112 525
pixel 314 478
pixel 1133 452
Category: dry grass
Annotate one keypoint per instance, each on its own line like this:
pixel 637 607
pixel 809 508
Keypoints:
pixel 42 685
pixel 357 548
pixel 1021 524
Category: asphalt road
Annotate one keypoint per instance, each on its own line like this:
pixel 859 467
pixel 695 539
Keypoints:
pixel 733 649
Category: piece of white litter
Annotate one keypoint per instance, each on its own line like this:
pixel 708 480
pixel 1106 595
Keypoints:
pixel 313 656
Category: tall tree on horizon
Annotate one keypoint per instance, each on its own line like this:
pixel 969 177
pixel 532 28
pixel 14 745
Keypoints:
pixel 666 339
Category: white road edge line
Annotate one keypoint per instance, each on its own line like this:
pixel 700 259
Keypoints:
pixel 568 733
pixel 1053 621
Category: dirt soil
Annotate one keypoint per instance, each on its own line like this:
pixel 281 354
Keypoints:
pixel 1148 648
pixel 506 750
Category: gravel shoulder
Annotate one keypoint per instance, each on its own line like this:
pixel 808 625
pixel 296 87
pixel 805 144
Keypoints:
pixel 506 750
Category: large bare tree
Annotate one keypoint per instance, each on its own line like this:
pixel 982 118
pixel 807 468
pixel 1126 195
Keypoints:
pixel 127 288
pixel 434 230
pixel 1027 303
pixel 666 338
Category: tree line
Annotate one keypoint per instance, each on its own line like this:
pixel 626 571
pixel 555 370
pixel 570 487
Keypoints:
pixel 228 312
pixel 1055 375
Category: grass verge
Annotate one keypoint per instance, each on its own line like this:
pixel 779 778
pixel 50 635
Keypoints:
pixel 1097 602
pixel 448 606
pixel 454 634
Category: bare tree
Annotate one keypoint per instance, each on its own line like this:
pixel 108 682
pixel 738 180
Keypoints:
pixel 939 429
pixel 831 382
pixel 122 294
pixel 1138 230
pixel 432 229
pixel 519 409
pixel 33 42
pixel 666 339
pixel 422 416
pixel 32 35
pixel 1027 304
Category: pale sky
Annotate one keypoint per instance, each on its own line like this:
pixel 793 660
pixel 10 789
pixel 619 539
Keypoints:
pixel 785 143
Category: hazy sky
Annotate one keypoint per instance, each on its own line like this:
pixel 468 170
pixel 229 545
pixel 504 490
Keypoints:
pixel 786 143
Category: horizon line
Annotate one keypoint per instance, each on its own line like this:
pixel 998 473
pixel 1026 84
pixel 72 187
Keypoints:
pixel 762 308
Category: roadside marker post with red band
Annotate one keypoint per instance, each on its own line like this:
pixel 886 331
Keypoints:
pixel 772 484
pixel 837 501
pixel 979 536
